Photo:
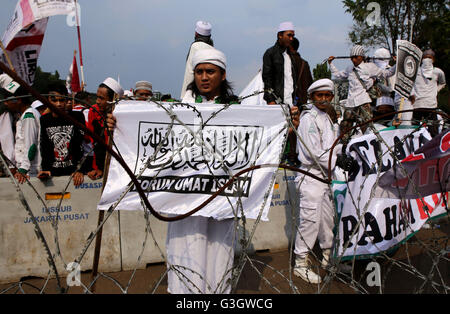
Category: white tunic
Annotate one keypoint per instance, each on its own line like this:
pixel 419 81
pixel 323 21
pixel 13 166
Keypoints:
pixel 189 72
pixel 7 136
pixel 27 152
pixel 426 90
pixel 288 81
pixel 200 250
pixel 318 134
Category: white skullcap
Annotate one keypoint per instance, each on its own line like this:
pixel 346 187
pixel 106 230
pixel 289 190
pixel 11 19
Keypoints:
pixel 322 85
pixel 357 50
pixel 203 28
pixel 36 104
pixel 143 85
pixel 112 83
pixel 385 100
pixel 286 26
pixel 212 56
pixel 382 53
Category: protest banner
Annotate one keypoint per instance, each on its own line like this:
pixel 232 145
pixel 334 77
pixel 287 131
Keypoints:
pixel 25 32
pixel 427 170
pixel 409 58
pixel 183 162
pixel 372 219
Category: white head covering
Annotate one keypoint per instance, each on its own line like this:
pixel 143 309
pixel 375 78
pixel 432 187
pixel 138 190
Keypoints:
pixel 114 85
pixel 357 50
pixel 203 28
pixel 382 53
pixel 326 85
pixel 286 26
pixel 143 85
pixel 212 56
pixel 7 83
pixel 36 104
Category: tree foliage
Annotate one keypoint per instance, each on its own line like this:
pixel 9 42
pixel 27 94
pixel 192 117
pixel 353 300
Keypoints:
pixel 321 71
pixel 43 79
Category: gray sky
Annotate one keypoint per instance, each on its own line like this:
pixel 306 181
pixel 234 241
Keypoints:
pixel 149 39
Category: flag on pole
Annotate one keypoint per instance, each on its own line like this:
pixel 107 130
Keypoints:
pixel 25 32
pixel 73 80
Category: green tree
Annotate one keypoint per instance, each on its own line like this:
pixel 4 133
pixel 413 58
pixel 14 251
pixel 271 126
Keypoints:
pixel 321 71
pixel 43 79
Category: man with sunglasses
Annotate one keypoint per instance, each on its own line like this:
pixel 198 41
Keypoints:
pixel 61 140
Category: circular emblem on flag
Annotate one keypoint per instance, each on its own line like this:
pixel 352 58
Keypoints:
pixel 410 66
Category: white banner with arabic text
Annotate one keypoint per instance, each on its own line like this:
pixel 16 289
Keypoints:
pixel 183 164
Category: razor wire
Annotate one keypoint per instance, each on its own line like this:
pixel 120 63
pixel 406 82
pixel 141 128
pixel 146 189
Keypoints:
pixel 245 258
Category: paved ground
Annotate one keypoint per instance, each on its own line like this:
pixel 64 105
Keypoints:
pixel 404 272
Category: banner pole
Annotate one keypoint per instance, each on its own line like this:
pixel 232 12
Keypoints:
pixel 397 121
pixel 7 56
pixel 101 214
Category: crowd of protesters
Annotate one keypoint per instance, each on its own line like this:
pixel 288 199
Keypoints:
pixel 45 144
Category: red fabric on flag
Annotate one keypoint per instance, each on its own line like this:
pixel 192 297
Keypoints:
pixel 75 83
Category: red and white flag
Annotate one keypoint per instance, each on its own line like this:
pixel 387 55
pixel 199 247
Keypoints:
pixel 25 32
pixel 73 79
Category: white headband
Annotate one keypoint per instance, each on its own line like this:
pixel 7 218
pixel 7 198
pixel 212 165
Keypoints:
pixel 213 56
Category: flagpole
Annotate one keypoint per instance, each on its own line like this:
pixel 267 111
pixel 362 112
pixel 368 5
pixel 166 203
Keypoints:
pixel 79 45
pixel 7 56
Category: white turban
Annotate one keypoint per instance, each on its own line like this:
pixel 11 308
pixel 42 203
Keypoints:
pixel 212 56
pixel 322 85
pixel 203 28
pixel 36 104
pixel 382 57
pixel 286 26
pixel 114 85
pixel 357 50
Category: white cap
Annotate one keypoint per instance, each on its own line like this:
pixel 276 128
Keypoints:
pixel 357 50
pixel 212 56
pixel 203 28
pixel 382 53
pixel 325 85
pixel 286 26
pixel 112 83
pixel 7 83
pixel 36 104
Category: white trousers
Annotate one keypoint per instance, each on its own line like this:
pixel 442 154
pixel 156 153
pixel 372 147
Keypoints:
pixel 316 218
pixel 200 253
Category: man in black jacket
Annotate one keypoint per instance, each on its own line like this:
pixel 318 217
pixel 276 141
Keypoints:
pixel 278 73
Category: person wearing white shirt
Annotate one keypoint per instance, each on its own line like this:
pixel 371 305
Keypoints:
pixel 429 82
pixel 317 133
pixel 202 41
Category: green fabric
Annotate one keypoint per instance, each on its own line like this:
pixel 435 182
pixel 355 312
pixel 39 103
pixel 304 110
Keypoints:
pixel 32 152
pixel 23 171
pixel 28 115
